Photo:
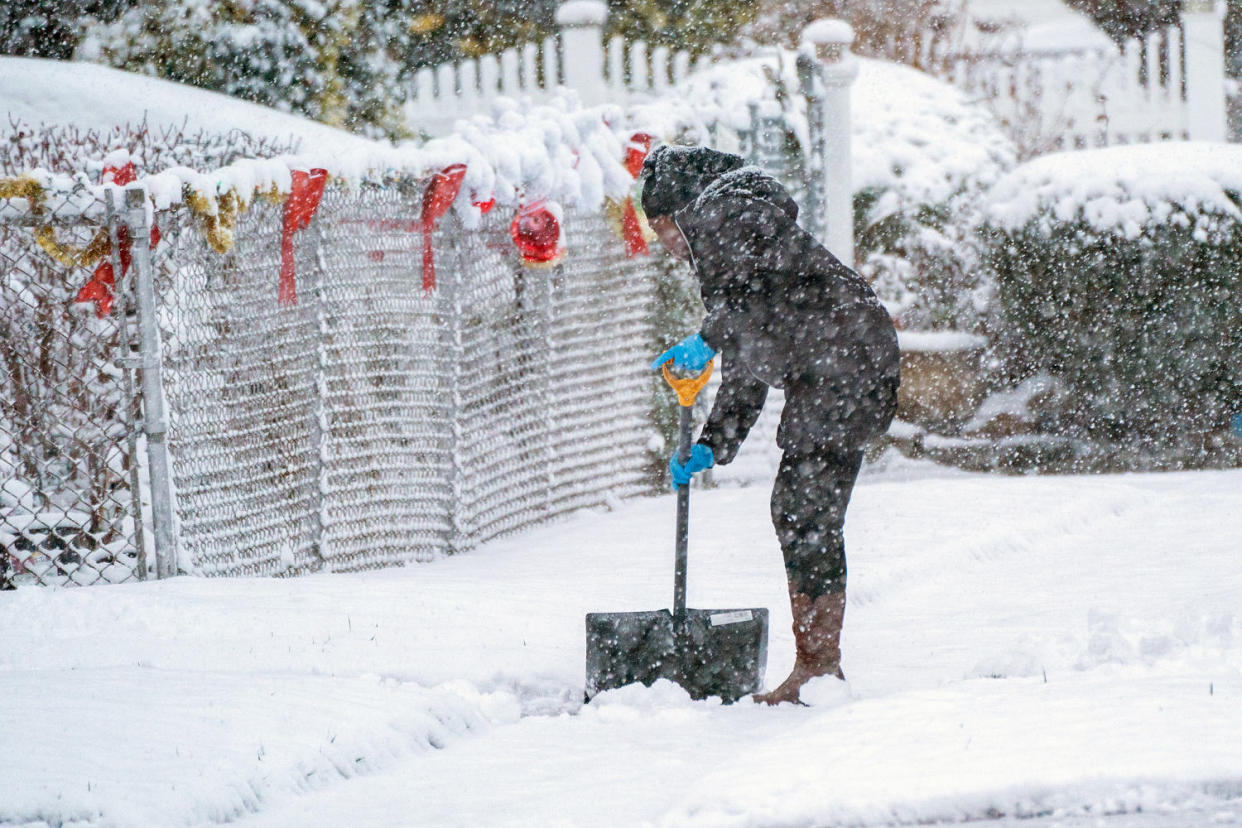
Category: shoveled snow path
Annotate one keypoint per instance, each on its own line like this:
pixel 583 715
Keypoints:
pixel 1014 645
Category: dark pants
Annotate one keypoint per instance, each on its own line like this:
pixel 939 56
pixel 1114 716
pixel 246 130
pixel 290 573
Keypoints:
pixel 809 500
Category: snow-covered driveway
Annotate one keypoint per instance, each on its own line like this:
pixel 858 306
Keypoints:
pixel 1013 645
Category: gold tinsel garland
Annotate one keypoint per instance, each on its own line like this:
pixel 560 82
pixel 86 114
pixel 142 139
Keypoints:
pixel 24 187
pixel 218 215
pixel 70 255
pixel 67 254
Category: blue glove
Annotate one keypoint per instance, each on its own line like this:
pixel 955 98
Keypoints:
pixel 691 354
pixel 701 458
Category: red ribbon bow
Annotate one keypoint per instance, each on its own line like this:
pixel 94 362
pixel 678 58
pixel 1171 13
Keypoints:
pixel 536 231
pixel 636 150
pixel 300 208
pixel 440 194
pixel 101 289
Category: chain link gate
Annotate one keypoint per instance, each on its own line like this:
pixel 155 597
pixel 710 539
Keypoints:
pixel 72 477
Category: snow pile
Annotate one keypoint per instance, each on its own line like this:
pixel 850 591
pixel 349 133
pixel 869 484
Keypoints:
pixel 919 141
pixel 236 748
pixel 557 150
pixel 1122 190
pixel 96 97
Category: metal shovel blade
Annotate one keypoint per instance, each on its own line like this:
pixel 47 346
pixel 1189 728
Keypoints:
pixel 708 652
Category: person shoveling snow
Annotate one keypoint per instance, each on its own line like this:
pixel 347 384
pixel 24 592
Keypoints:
pixel 783 312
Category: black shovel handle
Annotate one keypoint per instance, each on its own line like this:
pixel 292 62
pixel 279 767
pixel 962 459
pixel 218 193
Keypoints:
pixel 684 426
pixel 687 390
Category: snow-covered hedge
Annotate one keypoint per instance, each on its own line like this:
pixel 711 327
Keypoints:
pixel 923 157
pixel 1120 270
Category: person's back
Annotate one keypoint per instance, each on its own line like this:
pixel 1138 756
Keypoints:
pixel 788 310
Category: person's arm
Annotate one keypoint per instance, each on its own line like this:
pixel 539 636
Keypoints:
pixel 737 406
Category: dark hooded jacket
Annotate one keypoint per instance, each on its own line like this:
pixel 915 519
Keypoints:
pixel 781 309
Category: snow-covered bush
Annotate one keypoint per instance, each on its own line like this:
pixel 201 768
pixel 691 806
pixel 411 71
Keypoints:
pixel 344 63
pixel 67 149
pixel 923 157
pixel 1120 271
pixel 62 386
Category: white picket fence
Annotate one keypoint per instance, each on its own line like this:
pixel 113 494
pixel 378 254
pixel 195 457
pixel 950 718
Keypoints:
pixel 581 59
pixel 1168 86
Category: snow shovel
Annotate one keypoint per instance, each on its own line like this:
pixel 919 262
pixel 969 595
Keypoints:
pixel 720 652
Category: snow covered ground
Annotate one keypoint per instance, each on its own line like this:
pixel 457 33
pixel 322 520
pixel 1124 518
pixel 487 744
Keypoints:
pixel 1056 646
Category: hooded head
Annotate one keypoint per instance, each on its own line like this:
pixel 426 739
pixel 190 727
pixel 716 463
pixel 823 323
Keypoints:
pixel 673 177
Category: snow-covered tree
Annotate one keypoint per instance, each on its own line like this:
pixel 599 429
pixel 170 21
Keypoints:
pixel 254 49
pixel 343 62
pixel 892 29
pixel 49 28
pixel 695 25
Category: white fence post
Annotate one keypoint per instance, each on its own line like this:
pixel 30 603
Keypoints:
pixel 582 39
pixel 1203 25
pixel 831 40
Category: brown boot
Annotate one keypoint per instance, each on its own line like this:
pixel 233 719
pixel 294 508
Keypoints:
pixel 817 634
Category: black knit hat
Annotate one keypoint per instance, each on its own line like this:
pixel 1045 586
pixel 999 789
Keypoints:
pixel 673 177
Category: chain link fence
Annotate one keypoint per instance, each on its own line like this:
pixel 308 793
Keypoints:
pixel 70 459
pixel 374 423
pixel 368 424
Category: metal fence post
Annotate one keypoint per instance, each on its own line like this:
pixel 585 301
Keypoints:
pixel 814 94
pixel 547 315
pixel 123 287
pixel 450 290
pixel 322 431
pixel 831 40
pixel 155 421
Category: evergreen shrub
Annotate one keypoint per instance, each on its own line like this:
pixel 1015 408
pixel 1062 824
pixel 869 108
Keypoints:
pixel 1120 271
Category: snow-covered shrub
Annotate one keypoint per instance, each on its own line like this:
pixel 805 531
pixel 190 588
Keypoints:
pixel 57 360
pixel 67 149
pixel 344 63
pixel 923 157
pixel 1120 271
